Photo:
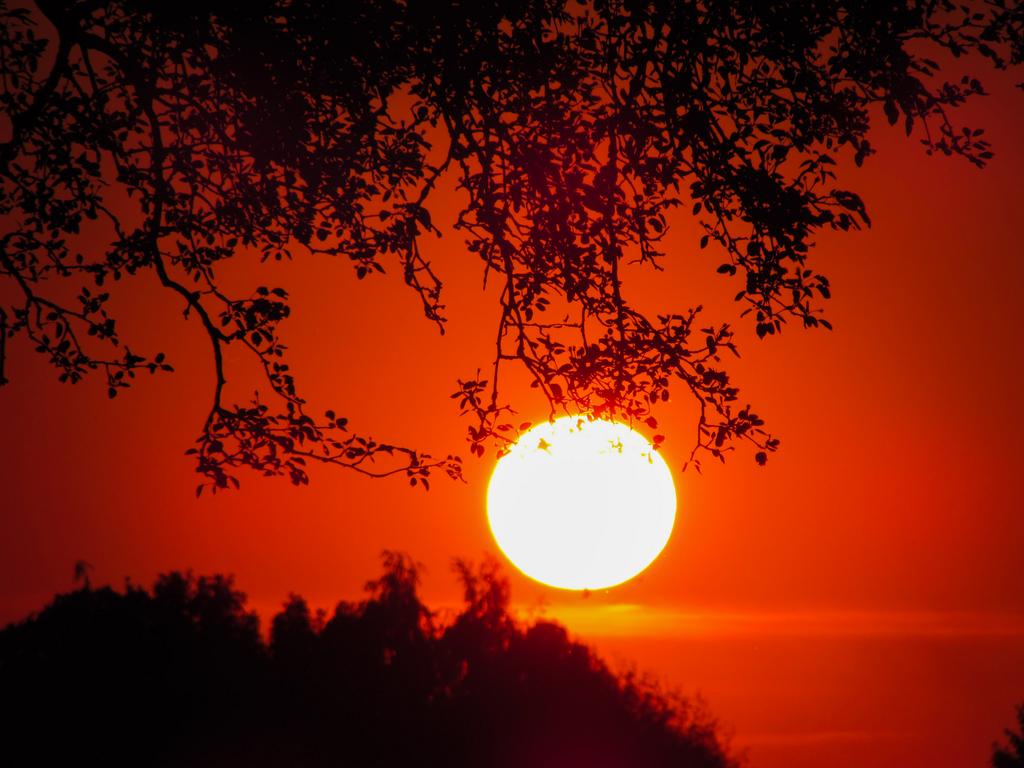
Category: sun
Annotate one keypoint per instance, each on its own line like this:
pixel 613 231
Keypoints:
pixel 580 504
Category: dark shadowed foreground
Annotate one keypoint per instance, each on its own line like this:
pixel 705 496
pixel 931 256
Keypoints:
pixel 180 675
pixel 1011 754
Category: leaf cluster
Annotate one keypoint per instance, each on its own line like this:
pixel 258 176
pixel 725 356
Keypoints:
pixel 167 139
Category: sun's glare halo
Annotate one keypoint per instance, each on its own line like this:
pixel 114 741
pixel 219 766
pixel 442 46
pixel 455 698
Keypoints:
pixel 581 504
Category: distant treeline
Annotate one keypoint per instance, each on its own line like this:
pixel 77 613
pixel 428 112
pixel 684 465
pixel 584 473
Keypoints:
pixel 180 675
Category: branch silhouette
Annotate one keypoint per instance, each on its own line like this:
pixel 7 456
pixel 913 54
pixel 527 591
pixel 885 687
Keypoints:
pixel 164 139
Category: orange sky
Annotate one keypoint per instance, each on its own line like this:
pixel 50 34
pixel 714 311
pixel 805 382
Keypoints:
pixel 859 601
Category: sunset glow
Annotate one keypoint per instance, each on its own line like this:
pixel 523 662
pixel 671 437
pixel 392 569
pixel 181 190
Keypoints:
pixel 581 505
pixel 351 354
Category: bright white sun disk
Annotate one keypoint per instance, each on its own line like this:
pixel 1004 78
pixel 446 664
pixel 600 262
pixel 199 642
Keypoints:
pixel 581 504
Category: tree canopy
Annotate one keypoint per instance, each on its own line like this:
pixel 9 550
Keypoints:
pixel 166 139
pixel 1011 754
pixel 180 675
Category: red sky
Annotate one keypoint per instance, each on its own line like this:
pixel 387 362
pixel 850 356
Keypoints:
pixel 859 601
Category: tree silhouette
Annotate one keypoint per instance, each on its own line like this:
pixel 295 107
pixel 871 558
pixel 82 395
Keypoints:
pixel 82 570
pixel 1011 755
pixel 165 139
pixel 180 676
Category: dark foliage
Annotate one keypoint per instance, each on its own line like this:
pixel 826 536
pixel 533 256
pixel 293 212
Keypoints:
pixel 180 676
pixel 159 140
pixel 1011 755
